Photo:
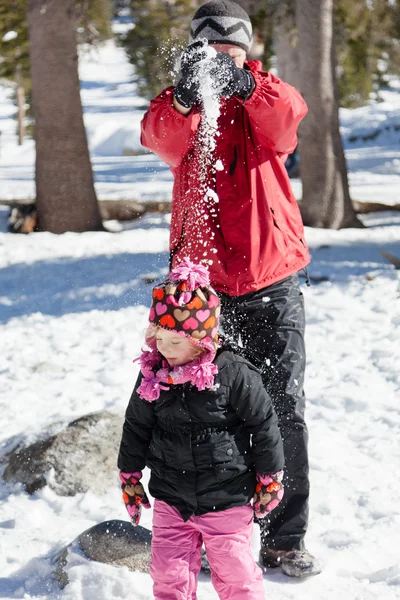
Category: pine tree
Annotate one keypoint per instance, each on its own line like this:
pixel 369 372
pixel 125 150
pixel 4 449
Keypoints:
pixel 153 46
pixel 14 44
pixel 93 19
pixel 93 22
pixel 367 41
pixel 14 55
pixel 13 49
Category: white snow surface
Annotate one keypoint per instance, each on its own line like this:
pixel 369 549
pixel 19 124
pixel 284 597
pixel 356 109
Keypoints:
pixel 73 309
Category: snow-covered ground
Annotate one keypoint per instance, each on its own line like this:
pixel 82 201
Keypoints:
pixel 72 313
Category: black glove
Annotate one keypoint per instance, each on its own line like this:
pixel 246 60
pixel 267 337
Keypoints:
pixel 187 90
pixel 229 79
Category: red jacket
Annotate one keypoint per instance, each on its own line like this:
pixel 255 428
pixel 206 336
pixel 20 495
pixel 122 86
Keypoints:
pixel 250 233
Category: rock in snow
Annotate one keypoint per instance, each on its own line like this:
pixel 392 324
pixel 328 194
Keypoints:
pixel 67 461
pixel 116 543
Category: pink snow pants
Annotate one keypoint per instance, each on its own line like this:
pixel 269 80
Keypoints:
pixel 176 554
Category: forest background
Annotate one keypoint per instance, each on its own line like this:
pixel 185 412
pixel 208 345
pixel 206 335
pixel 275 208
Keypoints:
pixel 339 54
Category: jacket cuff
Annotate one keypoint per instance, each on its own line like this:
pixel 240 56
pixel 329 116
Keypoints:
pixel 258 91
pixel 124 476
pixel 270 477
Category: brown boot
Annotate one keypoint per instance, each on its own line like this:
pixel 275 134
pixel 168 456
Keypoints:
pixel 300 563
pixel 270 558
pixel 294 563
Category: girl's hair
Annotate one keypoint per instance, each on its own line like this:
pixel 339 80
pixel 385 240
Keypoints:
pixel 151 334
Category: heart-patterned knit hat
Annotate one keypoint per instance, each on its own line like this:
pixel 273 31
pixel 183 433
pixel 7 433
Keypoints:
pixel 185 304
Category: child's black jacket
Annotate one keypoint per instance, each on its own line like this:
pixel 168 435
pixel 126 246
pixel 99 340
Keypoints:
pixel 197 444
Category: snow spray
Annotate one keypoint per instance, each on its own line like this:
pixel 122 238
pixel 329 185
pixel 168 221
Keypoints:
pixel 210 91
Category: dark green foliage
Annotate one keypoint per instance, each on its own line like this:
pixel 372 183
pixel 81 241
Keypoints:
pixel 367 42
pixel 15 51
pixel 392 52
pixel 263 24
pixel 93 21
pixel 93 24
pixel 161 32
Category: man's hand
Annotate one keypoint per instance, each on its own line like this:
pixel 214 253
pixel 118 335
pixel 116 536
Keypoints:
pixel 230 80
pixel 191 56
pixel 187 90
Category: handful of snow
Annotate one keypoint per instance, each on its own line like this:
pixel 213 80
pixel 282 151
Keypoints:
pixel 210 87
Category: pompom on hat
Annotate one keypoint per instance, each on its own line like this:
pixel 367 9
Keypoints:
pixel 185 304
pixel 222 22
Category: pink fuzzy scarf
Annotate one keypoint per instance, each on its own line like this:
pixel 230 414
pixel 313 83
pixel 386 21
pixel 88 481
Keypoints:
pixel 199 372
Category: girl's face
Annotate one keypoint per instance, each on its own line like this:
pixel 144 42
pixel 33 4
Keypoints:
pixel 178 350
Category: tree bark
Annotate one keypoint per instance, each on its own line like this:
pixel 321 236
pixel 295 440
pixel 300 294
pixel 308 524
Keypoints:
pixel 66 199
pixel 286 38
pixel 20 96
pixel 326 198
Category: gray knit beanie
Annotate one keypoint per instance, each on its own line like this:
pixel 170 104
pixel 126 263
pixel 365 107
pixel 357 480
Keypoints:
pixel 222 22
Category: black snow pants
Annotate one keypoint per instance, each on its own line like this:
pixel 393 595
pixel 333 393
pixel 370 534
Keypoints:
pixel 269 324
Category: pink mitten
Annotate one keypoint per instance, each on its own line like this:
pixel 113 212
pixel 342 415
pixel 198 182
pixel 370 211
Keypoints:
pixel 133 495
pixel 268 494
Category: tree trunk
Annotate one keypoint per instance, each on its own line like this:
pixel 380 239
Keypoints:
pixel 285 38
pixel 66 199
pixel 347 210
pixel 20 96
pixel 326 198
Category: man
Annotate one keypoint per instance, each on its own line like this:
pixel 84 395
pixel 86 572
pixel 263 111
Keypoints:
pixel 248 230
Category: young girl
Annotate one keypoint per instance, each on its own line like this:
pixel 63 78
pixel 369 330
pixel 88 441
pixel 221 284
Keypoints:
pixel 201 420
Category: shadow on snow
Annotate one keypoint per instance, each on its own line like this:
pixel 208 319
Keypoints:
pixel 341 262
pixel 67 285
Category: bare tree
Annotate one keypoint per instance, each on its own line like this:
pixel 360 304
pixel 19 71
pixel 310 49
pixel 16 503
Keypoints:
pixel 326 198
pixel 66 199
